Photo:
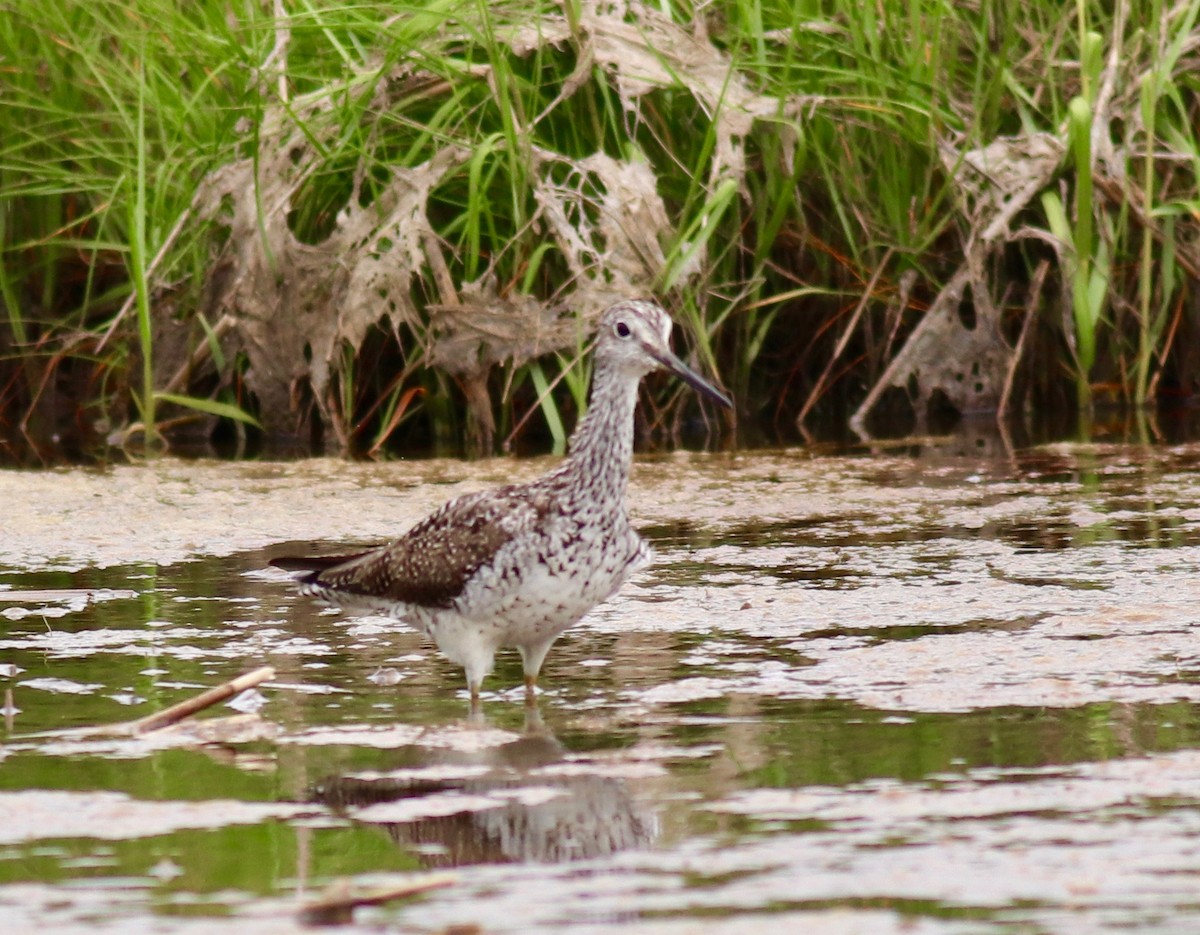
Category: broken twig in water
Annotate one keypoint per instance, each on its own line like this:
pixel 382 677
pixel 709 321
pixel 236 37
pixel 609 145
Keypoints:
pixel 184 709
pixel 167 717
pixel 52 595
pixel 338 905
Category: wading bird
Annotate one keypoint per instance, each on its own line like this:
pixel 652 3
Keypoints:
pixel 517 565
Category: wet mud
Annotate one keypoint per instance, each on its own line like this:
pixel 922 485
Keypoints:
pixel 879 693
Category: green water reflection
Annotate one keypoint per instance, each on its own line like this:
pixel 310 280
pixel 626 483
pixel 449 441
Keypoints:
pixel 193 624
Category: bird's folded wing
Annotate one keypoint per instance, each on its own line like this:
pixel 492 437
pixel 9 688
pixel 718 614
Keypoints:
pixel 430 565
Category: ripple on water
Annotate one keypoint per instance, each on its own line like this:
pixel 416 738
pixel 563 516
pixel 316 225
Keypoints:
pixel 854 694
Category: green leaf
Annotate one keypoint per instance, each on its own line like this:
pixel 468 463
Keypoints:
pixel 1097 285
pixel 553 418
pixel 1056 217
pixel 210 406
pixel 698 233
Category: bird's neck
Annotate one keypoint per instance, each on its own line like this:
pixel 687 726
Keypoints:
pixel 602 447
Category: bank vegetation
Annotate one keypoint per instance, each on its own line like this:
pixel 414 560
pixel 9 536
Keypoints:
pixel 378 228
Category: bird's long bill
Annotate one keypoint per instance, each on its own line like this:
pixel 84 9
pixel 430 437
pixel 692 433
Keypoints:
pixel 691 378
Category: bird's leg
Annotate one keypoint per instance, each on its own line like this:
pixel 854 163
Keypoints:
pixel 474 684
pixel 531 657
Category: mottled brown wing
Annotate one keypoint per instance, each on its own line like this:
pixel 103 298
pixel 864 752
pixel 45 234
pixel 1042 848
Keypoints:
pixel 431 563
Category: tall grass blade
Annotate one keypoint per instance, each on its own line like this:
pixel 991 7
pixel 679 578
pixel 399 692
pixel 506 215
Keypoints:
pixel 1148 98
pixel 1089 279
pixel 550 411
pixel 210 407
pixel 137 263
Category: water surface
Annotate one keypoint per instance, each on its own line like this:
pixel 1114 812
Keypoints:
pixel 910 693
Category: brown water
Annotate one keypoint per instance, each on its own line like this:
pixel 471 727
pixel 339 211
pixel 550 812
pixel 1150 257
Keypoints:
pixel 912 693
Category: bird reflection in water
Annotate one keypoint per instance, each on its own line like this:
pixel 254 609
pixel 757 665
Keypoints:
pixel 510 804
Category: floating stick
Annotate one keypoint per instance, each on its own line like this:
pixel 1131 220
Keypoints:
pixel 178 712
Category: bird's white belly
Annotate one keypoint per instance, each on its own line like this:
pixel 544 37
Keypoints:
pixel 523 603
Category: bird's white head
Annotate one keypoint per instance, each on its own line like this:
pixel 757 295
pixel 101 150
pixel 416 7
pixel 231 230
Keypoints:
pixel 635 337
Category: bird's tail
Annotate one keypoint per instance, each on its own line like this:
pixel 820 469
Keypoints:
pixel 313 564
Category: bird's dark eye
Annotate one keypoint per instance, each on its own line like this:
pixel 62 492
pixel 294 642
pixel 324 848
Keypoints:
pixel 622 329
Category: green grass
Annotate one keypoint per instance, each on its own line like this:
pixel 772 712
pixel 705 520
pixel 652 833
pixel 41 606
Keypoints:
pixel 761 233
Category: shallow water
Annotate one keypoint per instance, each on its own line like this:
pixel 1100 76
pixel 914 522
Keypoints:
pixel 915 693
